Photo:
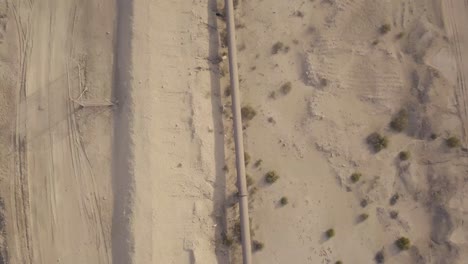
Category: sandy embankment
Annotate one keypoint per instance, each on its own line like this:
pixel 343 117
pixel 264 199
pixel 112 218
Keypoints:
pixel 178 140
pixel 349 78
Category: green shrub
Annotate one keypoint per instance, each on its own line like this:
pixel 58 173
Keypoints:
pixel 227 241
pixel 257 246
pixel 339 262
pixel 277 47
pixel 258 163
pixel 363 217
pixel 394 199
pixel 377 141
pixel 384 29
pixel 249 180
pixel 400 121
pixel 403 243
pixel 404 155
pixel 246 158
pixel 271 177
pixel 286 88
pixel 380 257
pixel 399 35
pixel 364 203
pixel 248 113
pixel 452 142
pixel 330 233
pixel 284 201
pixel 355 177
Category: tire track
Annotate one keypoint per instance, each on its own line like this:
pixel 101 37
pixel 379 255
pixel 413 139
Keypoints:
pixel 452 20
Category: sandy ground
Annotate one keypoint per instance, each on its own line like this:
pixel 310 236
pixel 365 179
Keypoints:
pixel 179 181
pixel 348 80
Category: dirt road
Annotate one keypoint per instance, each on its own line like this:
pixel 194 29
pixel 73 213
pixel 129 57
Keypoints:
pixel 58 196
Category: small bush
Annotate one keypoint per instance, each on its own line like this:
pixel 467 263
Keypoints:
pixel 355 177
pixel 393 214
pixel 400 121
pixel 257 246
pixel 246 158
pixel 271 177
pixel 227 91
pixel 248 113
pixel 433 136
pixel 364 203
pixel 380 257
pixel 403 243
pixel 258 163
pixel 394 199
pixel 377 141
pixel 399 35
pixel 339 262
pixel 227 241
pixel 384 29
pixel 277 47
pixel 452 142
pixel 330 233
pixel 404 155
pixel 284 201
pixel 286 88
pixel 249 180
pixel 363 217
pixel 323 82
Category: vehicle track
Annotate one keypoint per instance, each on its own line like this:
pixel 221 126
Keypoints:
pixel 455 16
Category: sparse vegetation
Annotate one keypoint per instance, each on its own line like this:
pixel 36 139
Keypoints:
pixel 400 121
pixel 225 168
pixel 246 158
pixel 227 241
pixel 227 91
pixel 355 177
pixel 394 199
pixel 248 113
pixel 284 201
pixel 403 243
pixel 271 120
pixel 380 257
pixel 363 217
pixel 452 142
pixel 257 246
pixel 258 163
pixel 323 82
pixel 433 136
pixel 249 180
pixel 404 155
pixel 330 233
pixel 271 177
pixel 393 214
pixel 286 88
pixel 377 141
pixel 339 262
pixel 277 47
pixel 384 29
pixel 364 203
pixel 399 35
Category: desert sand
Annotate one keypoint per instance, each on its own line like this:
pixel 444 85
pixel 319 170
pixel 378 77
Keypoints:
pixel 117 142
pixel 321 77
